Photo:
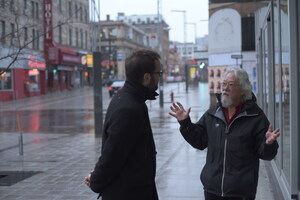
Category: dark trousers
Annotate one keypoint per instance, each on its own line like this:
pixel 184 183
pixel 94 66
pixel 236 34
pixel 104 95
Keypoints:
pixel 210 196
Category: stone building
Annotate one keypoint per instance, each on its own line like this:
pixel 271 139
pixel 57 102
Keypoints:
pixel 118 40
pixel 155 27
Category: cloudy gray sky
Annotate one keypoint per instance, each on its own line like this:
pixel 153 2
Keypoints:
pixel 196 12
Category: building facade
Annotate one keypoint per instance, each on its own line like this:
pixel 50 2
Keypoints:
pixel 43 46
pixel 118 40
pixel 231 41
pixel 22 64
pixel 67 43
pixel 277 36
pixel 277 42
pixel 155 27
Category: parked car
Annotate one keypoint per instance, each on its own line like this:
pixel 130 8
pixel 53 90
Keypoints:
pixel 114 87
pixel 107 82
pixel 176 78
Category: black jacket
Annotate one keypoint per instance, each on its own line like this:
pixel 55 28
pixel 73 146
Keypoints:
pixel 233 151
pixel 127 165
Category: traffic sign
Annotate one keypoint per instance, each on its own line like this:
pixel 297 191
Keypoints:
pixel 237 56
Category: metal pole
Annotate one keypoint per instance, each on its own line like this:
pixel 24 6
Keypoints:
pixel 159 42
pixel 185 56
pixel 98 104
pixel 21 144
pixel 97 72
pixel 195 30
pixel 21 152
pixel 185 49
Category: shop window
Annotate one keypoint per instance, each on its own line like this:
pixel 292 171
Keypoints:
pixel 6 80
pixel 32 83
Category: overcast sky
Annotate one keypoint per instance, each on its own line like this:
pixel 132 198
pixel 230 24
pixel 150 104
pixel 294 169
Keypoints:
pixel 196 12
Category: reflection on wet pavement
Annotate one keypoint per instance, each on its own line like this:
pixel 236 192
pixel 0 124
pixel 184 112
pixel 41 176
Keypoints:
pixel 48 121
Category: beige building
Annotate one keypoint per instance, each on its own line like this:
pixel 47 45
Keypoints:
pixel 155 27
pixel 118 40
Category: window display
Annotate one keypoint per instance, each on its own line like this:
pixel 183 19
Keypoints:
pixel 6 80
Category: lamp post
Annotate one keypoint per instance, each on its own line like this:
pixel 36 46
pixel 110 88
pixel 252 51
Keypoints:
pixel 184 46
pixel 159 42
pixel 98 100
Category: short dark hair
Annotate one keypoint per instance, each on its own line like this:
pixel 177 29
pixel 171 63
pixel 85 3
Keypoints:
pixel 140 62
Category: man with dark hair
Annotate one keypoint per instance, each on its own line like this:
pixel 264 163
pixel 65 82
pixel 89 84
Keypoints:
pixel 127 165
pixel 236 133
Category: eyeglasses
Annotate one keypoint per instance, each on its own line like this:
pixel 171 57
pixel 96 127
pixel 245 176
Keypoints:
pixel 160 73
pixel 230 84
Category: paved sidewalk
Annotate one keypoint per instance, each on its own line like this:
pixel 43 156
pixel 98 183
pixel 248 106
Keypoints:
pixel 64 159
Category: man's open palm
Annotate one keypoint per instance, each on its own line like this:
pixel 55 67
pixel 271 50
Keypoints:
pixel 179 112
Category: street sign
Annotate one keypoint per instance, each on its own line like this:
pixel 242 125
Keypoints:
pixel 237 56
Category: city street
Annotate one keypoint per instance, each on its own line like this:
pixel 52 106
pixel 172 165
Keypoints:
pixel 60 148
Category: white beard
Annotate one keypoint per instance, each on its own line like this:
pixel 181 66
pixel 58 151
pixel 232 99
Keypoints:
pixel 226 102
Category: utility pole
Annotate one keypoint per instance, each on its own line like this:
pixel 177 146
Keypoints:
pixel 185 49
pixel 97 72
pixel 195 29
pixel 161 51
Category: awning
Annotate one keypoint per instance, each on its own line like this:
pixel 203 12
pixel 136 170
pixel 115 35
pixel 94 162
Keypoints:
pixel 66 50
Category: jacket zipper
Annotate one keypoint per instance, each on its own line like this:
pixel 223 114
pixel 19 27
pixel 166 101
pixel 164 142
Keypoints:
pixel 224 160
pixel 225 147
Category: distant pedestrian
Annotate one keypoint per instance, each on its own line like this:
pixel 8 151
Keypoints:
pixel 127 165
pixel 236 134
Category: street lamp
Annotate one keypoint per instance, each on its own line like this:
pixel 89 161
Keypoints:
pixel 161 50
pixel 97 77
pixel 184 47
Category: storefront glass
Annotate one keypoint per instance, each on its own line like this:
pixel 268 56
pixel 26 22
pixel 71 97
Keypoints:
pixel 265 69
pixel 6 80
pixel 285 89
pixel 33 80
pixel 277 74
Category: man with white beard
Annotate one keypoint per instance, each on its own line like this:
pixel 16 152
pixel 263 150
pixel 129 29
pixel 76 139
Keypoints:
pixel 236 134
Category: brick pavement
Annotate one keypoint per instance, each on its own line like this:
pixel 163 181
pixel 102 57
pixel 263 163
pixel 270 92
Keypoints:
pixel 63 160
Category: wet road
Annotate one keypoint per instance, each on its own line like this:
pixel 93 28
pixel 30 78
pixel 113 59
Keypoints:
pixel 67 112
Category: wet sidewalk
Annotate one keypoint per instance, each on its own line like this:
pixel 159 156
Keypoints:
pixel 54 164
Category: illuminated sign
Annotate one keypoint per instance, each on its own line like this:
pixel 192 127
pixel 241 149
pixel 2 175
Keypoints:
pixel 69 58
pixel 33 63
pixel 33 72
pixel 89 59
pixel 83 60
pixel 48 20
